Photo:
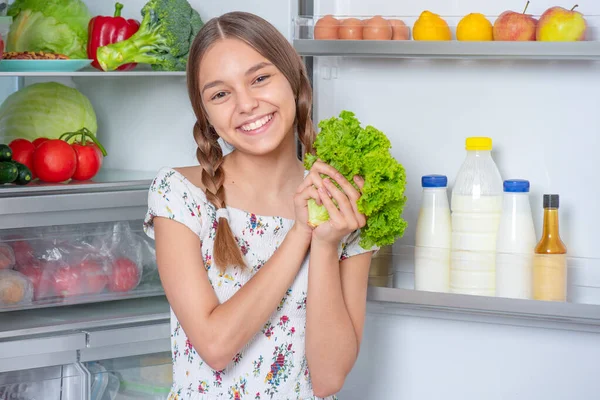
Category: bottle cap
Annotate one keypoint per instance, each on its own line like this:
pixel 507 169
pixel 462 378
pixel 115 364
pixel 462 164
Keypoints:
pixel 516 186
pixel 551 201
pixel 434 181
pixel 479 143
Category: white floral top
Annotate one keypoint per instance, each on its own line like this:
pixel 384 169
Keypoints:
pixel 273 364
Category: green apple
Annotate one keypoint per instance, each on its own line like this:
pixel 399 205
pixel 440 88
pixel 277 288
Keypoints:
pixel 558 24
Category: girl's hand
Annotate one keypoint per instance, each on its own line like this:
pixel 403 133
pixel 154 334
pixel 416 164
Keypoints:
pixel 303 194
pixel 341 221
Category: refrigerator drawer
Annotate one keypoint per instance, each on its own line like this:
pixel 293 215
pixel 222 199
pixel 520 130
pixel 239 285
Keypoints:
pixel 63 382
pixel 72 264
pixel 142 377
pixel 40 351
pixel 104 344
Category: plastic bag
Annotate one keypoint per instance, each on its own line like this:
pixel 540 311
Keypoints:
pixel 123 252
pixel 14 288
pixel 7 256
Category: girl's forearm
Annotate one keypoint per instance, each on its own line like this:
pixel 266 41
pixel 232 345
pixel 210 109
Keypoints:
pixel 331 342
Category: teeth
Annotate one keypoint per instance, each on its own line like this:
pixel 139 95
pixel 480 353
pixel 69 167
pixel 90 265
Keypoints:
pixel 256 124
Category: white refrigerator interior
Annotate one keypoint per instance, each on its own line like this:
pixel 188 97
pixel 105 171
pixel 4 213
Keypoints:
pixel 544 121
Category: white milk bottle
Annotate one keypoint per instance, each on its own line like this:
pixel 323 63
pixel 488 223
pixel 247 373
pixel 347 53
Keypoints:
pixel 515 243
pixel 476 207
pixel 433 236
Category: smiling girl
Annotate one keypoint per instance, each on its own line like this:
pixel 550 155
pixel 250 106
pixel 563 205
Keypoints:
pixel 262 305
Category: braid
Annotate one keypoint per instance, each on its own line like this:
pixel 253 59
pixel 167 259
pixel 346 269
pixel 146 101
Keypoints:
pixel 210 157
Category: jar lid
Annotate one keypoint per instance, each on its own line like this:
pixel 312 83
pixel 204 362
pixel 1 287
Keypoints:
pixel 434 181
pixel 478 143
pixel 516 186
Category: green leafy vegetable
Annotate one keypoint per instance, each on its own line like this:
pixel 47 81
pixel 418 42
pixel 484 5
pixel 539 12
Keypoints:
pixel 352 150
pixel 46 109
pixel 163 40
pixel 52 26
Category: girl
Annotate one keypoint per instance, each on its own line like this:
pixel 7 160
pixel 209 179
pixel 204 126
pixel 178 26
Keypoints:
pixel 255 314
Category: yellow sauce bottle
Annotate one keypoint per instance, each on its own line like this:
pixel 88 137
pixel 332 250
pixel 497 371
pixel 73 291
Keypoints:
pixel 550 262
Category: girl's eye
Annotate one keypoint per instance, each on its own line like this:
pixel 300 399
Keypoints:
pixel 219 95
pixel 262 78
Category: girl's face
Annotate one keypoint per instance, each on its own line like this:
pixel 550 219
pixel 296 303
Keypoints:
pixel 248 101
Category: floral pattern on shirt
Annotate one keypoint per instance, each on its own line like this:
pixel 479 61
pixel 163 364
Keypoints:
pixel 273 364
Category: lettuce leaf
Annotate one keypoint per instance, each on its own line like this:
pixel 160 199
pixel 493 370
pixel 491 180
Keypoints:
pixel 353 150
pixel 53 26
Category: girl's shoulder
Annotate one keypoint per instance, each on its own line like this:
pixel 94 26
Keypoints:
pixel 171 195
pixel 179 182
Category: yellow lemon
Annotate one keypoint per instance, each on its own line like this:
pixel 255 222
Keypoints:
pixel 474 27
pixel 430 26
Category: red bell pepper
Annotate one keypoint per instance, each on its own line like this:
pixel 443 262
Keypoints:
pixel 108 30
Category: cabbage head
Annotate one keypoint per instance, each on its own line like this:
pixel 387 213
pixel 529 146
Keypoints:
pixel 52 26
pixel 46 109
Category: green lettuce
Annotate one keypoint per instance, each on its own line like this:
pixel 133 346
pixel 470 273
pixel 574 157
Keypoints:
pixel 365 152
pixel 46 109
pixel 53 26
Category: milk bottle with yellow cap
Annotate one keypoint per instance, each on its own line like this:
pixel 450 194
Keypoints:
pixel 476 206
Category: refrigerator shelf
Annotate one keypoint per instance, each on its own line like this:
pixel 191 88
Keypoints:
pixel 559 315
pixel 586 50
pixel 84 317
pixel 94 73
pixel 112 195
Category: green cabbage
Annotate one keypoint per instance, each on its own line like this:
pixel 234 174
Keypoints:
pixel 352 150
pixel 53 26
pixel 46 109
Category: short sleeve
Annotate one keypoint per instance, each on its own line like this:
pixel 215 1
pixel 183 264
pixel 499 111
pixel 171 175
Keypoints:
pixel 350 246
pixel 170 196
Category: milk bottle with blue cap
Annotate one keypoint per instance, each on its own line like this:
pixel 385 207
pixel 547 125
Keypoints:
pixel 515 243
pixel 476 206
pixel 433 236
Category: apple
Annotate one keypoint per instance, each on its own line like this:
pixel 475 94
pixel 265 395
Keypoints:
pixel 124 275
pixel 94 276
pixel 513 26
pixel 558 24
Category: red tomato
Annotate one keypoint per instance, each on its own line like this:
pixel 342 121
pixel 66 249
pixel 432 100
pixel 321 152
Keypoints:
pixel 89 161
pixel 124 275
pixel 54 161
pixel 39 141
pixel 23 151
pixel 94 276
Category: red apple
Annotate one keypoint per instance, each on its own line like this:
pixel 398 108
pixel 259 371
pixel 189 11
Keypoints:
pixel 558 24
pixel 124 275
pixel 513 26
pixel 94 276
pixel 68 281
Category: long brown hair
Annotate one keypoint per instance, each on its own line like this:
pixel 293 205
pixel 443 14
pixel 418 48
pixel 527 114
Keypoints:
pixel 271 44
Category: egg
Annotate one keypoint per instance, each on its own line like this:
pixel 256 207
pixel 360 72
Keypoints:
pixel 327 28
pixel 351 29
pixel 377 28
pixel 399 30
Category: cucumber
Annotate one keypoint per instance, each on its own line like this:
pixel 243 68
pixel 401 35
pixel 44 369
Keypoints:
pixel 5 152
pixel 24 175
pixel 8 172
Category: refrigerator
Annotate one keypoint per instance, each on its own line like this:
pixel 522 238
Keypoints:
pixel 539 105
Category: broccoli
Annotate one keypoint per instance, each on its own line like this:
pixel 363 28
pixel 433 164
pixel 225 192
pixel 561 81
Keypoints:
pixel 163 40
